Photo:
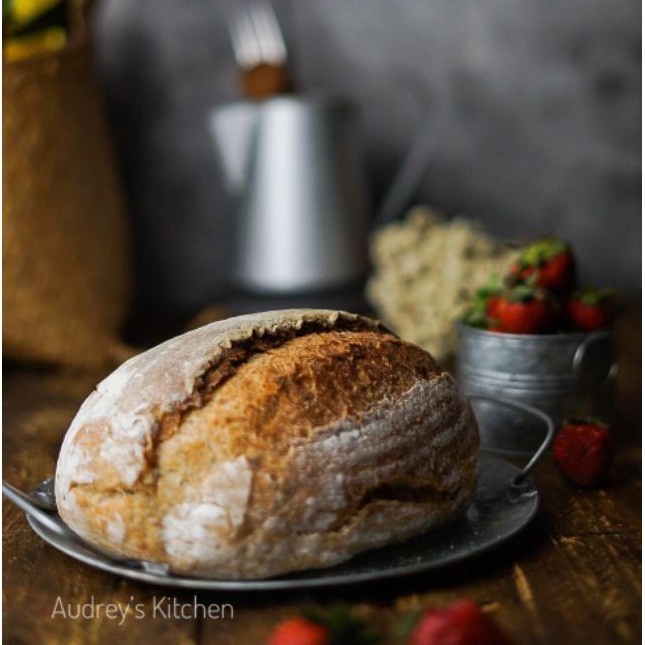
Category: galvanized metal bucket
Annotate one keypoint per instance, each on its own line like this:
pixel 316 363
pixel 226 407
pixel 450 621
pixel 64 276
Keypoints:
pixel 568 374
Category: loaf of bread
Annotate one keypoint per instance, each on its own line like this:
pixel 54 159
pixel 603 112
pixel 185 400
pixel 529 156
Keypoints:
pixel 268 443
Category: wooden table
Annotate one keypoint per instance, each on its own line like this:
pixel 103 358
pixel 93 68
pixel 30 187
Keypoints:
pixel 572 577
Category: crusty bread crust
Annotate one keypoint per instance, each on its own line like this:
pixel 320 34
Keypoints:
pixel 269 443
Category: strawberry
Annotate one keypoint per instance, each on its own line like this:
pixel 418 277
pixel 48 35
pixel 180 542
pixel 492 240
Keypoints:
pixel 583 450
pixel 590 309
pixel 299 631
pixel 464 623
pixel 335 626
pixel 484 305
pixel 551 262
pixel 523 310
pixel 492 306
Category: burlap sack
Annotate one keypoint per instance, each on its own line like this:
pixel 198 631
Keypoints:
pixel 66 273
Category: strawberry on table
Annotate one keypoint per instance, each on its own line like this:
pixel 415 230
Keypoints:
pixel 590 309
pixel 463 623
pixel 551 264
pixel 583 451
pixel 334 626
pixel 523 310
pixel 299 631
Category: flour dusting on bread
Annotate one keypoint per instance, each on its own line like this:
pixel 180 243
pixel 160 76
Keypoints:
pixel 192 530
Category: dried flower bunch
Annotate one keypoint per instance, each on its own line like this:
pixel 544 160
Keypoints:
pixel 426 270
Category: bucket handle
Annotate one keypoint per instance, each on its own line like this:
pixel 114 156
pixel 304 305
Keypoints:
pixel 529 409
pixel 579 356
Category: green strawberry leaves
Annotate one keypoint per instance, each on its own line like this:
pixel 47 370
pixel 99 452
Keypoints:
pixel 344 629
pixel 541 251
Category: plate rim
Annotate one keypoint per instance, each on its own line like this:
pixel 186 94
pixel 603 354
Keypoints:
pixel 99 561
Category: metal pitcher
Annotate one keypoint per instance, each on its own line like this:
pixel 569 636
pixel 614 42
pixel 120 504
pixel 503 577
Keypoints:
pixel 293 163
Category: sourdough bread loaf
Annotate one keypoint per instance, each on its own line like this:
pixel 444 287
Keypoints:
pixel 268 443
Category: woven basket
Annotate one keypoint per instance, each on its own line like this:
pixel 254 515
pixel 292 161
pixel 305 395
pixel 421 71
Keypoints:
pixel 66 273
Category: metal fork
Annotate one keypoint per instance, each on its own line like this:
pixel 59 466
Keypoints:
pixel 259 48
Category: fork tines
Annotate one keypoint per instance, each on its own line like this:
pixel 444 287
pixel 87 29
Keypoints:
pixel 256 36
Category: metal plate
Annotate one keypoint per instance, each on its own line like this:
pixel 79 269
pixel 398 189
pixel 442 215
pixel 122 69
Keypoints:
pixel 498 512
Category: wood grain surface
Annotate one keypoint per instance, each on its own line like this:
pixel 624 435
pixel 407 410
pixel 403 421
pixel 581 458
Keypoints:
pixel 574 576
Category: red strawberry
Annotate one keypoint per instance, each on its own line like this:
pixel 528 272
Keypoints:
pixel 583 450
pixel 299 631
pixel 464 623
pixel 551 262
pixel 492 306
pixel 590 309
pixel 484 305
pixel 523 310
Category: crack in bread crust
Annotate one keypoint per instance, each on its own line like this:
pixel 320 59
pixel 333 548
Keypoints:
pixel 225 367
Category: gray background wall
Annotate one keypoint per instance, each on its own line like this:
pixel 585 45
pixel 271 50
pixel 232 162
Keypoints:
pixel 536 104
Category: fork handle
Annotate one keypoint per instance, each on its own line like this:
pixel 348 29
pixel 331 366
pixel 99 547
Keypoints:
pixel 265 80
pixel 25 503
